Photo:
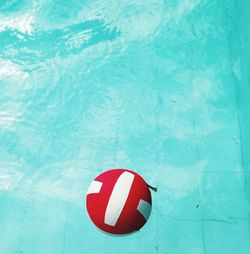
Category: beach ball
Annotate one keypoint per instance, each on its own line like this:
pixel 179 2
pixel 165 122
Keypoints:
pixel 119 201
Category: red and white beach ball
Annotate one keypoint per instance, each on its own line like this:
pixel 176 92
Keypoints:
pixel 119 201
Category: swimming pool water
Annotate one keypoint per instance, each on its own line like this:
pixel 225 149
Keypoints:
pixel 160 87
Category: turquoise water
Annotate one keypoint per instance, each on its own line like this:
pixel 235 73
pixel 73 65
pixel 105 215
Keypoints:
pixel 160 87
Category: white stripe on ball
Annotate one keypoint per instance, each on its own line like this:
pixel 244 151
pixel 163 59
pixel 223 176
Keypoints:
pixel 118 198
